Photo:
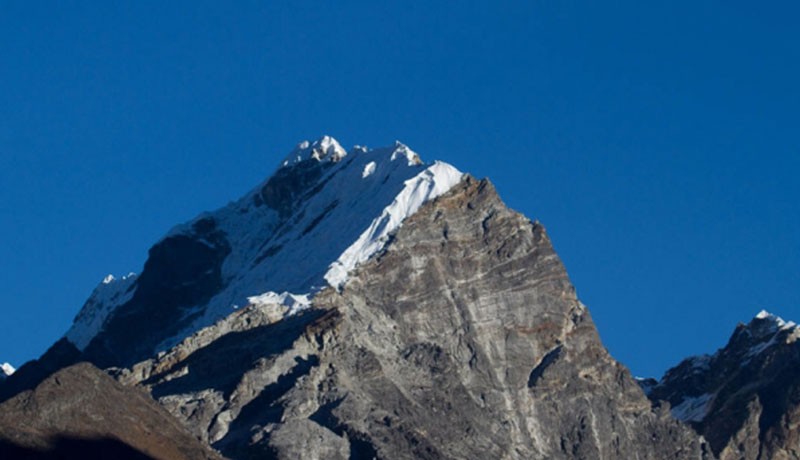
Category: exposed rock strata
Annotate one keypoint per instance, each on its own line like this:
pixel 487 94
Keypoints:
pixel 463 339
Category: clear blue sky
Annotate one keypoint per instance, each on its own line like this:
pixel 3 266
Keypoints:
pixel 660 145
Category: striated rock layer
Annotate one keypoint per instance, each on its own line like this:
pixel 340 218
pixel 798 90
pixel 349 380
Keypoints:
pixel 463 338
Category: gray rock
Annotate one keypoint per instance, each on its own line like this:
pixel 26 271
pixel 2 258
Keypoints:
pixel 463 339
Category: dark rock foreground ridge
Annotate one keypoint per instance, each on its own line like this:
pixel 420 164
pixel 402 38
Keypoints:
pixel 81 412
pixel 456 335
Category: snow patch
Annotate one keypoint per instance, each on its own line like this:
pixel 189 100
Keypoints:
pixel 294 303
pixel 779 322
pixel 693 409
pixel 6 370
pixel 325 148
pixel 427 185
pixel 764 314
pixel 793 336
pixel 402 151
pixel 368 170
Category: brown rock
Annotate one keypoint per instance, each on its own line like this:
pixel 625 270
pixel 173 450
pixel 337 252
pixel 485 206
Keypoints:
pixel 82 411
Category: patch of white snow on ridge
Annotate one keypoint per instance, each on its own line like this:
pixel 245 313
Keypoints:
pixel 294 303
pixel 777 320
pixel 368 170
pixel 326 148
pixel 427 185
pixel 108 295
pixel 6 369
pixel 693 409
pixel 402 151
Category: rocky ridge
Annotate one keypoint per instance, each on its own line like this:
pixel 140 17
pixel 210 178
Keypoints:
pixel 745 398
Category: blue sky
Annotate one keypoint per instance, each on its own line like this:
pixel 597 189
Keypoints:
pixel 658 144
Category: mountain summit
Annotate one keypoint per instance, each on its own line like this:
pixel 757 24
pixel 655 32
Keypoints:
pixel 322 213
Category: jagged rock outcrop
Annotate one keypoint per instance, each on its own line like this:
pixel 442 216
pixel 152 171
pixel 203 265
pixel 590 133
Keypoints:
pixel 80 412
pixel 744 399
pixel 463 338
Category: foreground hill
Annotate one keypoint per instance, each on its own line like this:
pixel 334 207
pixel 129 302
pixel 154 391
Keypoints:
pixel 80 412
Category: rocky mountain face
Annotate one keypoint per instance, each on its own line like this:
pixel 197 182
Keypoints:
pixel 462 339
pixel 365 304
pixel 745 398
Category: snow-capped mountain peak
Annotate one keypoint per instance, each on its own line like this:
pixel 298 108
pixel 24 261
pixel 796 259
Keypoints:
pixel 766 330
pixel 320 215
pixel 693 385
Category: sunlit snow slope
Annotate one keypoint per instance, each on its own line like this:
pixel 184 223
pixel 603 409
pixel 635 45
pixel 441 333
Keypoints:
pixel 322 213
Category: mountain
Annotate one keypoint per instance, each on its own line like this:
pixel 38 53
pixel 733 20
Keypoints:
pixel 745 398
pixel 365 304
